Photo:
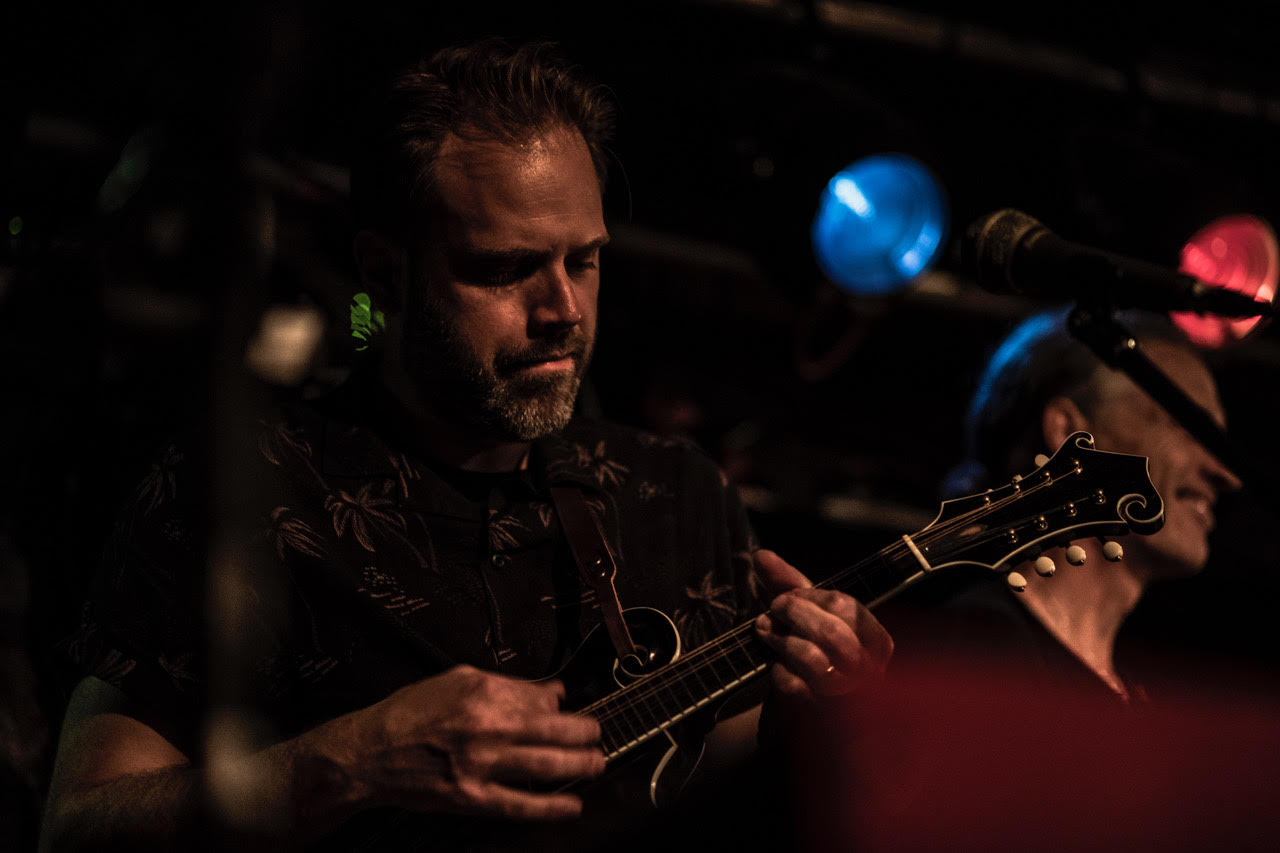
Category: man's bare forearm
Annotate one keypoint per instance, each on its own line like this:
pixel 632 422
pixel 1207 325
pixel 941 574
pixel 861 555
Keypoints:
pixel 281 798
pixel 148 811
pixel 450 743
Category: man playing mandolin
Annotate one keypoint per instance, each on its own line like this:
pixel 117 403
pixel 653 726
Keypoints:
pixel 421 579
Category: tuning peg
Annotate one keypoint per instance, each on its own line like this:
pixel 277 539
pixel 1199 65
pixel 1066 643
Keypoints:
pixel 1044 566
pixel 1113 551
pixel 1040 459
pixel 1075 555
pixel 1016 582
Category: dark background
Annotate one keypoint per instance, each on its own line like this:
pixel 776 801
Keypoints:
pixel 148 151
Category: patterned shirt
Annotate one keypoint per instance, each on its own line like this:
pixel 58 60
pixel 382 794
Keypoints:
pixel 380 567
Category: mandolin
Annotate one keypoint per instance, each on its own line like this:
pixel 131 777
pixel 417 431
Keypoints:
pixel 659 704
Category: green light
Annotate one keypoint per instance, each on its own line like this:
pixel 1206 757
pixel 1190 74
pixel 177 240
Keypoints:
pixel 15 226
pixel 365 320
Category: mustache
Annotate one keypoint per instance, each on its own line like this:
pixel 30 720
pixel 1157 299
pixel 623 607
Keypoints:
pixel 573 345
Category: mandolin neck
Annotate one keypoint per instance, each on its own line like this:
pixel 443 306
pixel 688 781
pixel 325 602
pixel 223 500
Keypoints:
pixel 642 710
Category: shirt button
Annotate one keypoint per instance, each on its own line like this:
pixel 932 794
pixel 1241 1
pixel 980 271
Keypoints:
pixel 498 560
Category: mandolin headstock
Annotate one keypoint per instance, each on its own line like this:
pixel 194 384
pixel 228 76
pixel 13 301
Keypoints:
pixel 1079 492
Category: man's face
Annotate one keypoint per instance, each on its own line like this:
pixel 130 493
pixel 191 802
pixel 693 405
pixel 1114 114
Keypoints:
pixel 500 317
pixel 1187 476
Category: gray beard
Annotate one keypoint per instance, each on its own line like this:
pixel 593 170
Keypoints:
pixel 496 400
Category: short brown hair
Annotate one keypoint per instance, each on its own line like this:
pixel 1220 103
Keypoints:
pixel 488 89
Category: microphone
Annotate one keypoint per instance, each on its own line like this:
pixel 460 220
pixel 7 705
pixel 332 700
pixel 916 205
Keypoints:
pixel 1011 251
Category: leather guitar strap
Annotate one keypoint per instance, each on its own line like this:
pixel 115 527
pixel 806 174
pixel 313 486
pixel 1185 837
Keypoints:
pixel 596 562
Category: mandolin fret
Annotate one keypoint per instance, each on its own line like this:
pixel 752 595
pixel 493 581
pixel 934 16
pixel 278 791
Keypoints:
pixel 626 725
pixel 721 667
pixel 747 656
pixel 699 684
pixel 666 703
pixel 647 715
pixel 876 577
pixel 608 740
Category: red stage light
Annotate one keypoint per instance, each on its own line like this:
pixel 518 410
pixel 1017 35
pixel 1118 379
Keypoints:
pixel 1239 253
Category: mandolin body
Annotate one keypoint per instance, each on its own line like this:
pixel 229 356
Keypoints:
pixel 637 783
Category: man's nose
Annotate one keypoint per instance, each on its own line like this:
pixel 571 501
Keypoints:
pixel 1222 477
pixel 555 301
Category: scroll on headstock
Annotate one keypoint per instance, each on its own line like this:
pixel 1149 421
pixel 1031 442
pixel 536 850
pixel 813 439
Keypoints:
pixel 1078 493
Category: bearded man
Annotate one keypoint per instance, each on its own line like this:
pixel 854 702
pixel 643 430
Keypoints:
pixel 414 535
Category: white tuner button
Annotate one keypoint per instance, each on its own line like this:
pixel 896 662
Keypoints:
pixel 1041 459
pixel 1016 582
pixel 1113 551
pixel 1044 567
pixel 1075 555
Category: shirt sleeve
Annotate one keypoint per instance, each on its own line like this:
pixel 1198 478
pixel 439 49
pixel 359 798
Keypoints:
pixel 141 625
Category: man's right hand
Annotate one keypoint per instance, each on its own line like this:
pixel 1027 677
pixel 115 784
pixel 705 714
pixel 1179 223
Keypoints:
pixel 464 741
pixel 469 741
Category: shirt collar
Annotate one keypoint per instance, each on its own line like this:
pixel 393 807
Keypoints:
pixel 368 435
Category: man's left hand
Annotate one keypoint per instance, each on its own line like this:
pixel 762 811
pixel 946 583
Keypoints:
pixel 827 643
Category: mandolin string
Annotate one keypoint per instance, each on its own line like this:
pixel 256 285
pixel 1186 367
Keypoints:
pixel 662 679
pixel 712 650
pixel 702 656
pixel 616 707
pixel 715 650
pixel 706 656
pixel 931 536
pixel 623 707
pixel 988 536
pixel 699 658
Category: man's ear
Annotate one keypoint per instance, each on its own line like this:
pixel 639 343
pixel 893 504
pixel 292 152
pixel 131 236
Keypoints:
pixel 384 267
pixel 1060 418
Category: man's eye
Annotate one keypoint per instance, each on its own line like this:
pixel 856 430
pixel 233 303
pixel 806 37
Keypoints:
pixel 500 275
pixel 500 278
pixel 576 264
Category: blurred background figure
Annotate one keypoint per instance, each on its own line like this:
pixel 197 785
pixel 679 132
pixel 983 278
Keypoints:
pixel 995 693
pixel 1040 386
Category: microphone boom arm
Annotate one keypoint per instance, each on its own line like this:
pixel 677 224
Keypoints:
pixel 1117 347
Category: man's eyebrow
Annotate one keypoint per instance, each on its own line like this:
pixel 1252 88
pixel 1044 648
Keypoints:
pixel 591 247
pixel 496 256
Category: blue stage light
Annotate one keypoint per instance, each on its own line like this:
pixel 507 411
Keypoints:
pixel 880 223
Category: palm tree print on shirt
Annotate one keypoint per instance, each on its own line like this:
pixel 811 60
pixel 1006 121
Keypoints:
pixel 709 606
pixel 599 466
pixel 290 531
pixel 504 531
pixel 161 483
pixel 277 438
pixel 405 472
pixel 366 513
